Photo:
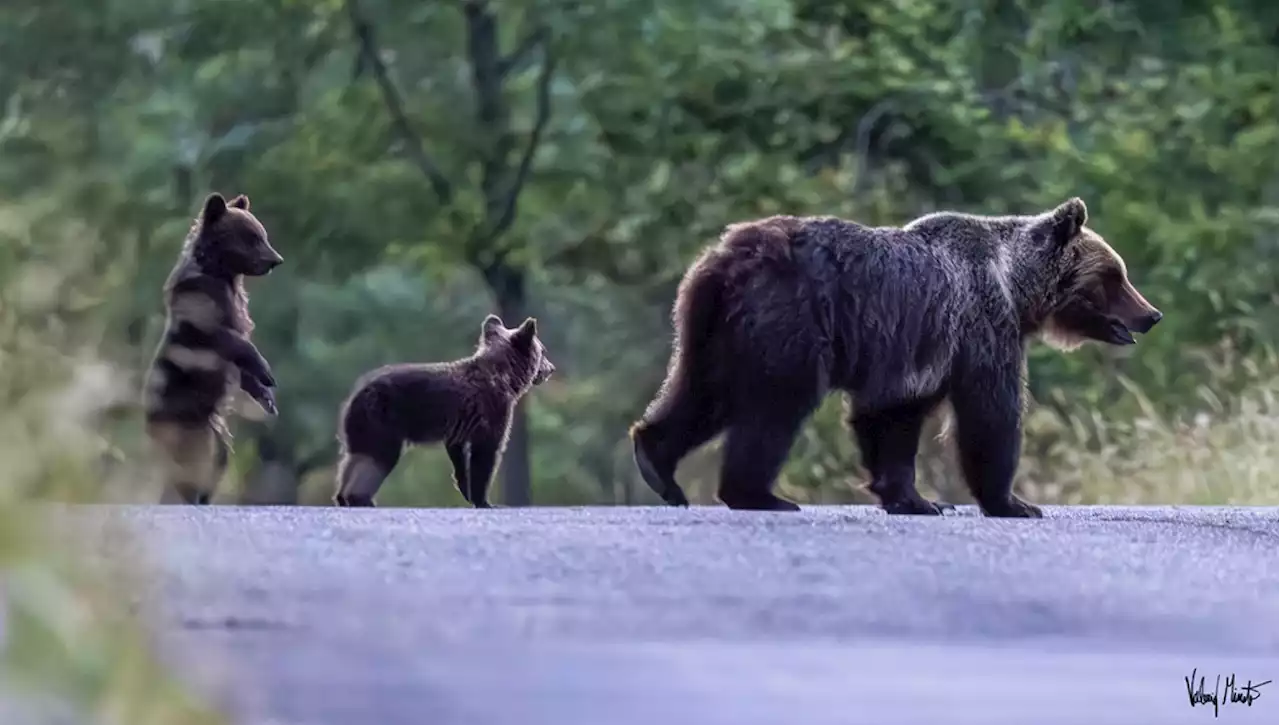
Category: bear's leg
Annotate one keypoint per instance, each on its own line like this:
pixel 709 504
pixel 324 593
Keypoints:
pixel 755 450
pixel 193 461
pixel 987 404
pixel 485 454
pixel 458 457
pixel 660 444
pixel 360 475
pixel 184 492
pixel 889 440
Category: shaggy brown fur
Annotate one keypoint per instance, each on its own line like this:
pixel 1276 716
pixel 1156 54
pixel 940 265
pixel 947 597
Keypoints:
pixel 205 354
pixel 466 403
pixel 784 310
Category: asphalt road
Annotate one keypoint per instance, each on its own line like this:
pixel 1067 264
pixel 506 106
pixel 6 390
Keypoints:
pixel 657 616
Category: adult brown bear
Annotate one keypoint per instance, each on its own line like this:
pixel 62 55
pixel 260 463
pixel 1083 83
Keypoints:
pixel 783 310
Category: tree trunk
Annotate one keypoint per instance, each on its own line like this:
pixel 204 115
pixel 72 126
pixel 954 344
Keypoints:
pixel 274 480
pixel 272 483
pixel 508 286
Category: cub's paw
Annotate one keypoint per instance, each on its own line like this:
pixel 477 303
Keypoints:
pixel 268 403
pixel 263 373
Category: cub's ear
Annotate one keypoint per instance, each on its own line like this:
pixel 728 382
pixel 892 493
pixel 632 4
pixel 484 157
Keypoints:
pixel 492 325
pixel 526 332
pixel 214 207
pixel 240 202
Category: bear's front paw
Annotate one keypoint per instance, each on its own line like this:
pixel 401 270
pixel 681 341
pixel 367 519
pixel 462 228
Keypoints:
pixel 268 402
pixel 740 501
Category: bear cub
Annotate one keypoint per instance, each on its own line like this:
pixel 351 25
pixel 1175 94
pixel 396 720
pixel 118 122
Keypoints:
pixel 204 358
pixel 784 310
pixel 466 404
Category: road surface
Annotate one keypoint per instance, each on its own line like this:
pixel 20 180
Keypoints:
pixel 659 616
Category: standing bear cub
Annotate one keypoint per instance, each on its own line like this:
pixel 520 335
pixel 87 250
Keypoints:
pixel 205 357
pixel 466 403
pixel 785 309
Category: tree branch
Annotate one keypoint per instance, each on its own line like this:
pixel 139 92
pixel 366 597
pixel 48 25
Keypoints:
pixel 517 56
pixel 369 50
pixel 592 253
pixel 543 115
pixel 492 118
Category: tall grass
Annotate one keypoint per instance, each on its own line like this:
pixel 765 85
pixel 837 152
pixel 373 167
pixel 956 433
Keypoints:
pixel 1224 451
pixel 72 651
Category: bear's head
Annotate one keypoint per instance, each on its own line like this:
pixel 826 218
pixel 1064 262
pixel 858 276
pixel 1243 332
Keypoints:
pixel 231 241
pixel 1088 295
pixel 521 346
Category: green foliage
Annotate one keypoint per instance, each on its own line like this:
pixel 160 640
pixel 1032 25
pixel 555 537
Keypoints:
pixel 659 123
pixel 70 651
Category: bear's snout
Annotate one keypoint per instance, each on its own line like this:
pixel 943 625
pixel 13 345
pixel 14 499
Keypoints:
pixel 1133 309
pixel 545 370
pixel 269 260
pixel 1144 323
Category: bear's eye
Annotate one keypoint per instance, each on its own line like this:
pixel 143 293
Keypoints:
pixel 1112 281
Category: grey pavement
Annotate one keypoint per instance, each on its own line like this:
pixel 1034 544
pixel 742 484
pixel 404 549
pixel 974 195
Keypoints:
pixel 645 615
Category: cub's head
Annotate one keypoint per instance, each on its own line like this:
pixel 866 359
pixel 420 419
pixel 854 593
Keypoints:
pixel 1088 295
pixel 230 241
pixel 521 346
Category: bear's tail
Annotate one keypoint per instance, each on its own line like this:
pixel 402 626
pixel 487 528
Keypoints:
pixel 698 309
pixel 685 412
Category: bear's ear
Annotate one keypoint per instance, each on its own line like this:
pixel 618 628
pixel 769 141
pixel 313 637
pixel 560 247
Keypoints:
pixel 526 332
pixel 240 202
pixel 1068 219
pixel 492 326
pixel 1061 225
pixel 214 207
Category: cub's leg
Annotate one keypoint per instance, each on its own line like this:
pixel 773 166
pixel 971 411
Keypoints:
pixel 889 440
pixel 486 453
pixel 259 392
pixel 361 474
pixel 244 355
pixel 192 461
pixel 987 403
pixel 458 456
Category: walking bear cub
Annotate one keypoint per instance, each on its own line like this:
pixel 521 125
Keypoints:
pixel 785 309
pixel 205 357
pixel 467 404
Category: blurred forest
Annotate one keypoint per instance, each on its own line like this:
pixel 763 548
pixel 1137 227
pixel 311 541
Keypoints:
pixel 420 164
